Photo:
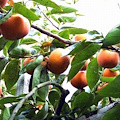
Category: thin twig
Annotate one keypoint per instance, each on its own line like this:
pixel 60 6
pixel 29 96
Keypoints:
pixel 47 17
pixel 52 35
pixel 21 102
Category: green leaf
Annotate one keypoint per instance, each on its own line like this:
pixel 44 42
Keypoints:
pixel 97 99
pixel 28 41
pixel 13 45
pixel 21 51
pixel 65 109
pixel 113 113
pixel 66 19
pixel 68 50
pixel 65 9
pixel 6 113
pixel 3 62
pixel 11 73
pixel 112 89
pixel 83 101
pixel 43 92
pixel 36 79
pixel 54 96
pixel 81 56
pixel 3 41
pixel 19 8
pixel 48 3
pixel 6 47
pixel 113 37
pixel 74 30
pixel 6 100
pixel 93 73
pixel 63 34
pixel 107 79
pixel 5 16
pixel 33 65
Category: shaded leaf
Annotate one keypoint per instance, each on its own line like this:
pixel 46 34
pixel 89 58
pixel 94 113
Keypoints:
pixel 3 62
pixel 36 79
pixel 54 96
pixel 112 89
pixel 11 73
pixel 3 41
pixel 43 92
pixel 83 101
pixel 93 73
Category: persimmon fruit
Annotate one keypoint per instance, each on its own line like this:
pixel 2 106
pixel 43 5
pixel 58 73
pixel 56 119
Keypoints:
pixel 3 3
pixel 80 37
pixel 109 73
pixel 15 27
pixel 101 86
pixel 27 61
pixel 108 59
pixel 1 93
pixel 79 80
pixel 56 63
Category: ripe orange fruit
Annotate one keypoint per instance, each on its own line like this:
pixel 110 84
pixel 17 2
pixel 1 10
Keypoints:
pixel 15 27
pixel 79 80
pixel 27 61
pixel 56 63
pixel 79 37
pixel 101 86
pixel 109 73
pixel 1 93
pixel 3 3
pixel 108 59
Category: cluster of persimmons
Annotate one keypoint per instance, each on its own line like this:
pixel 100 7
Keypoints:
pixel 17 26
pixel 106 59
pixel 57 64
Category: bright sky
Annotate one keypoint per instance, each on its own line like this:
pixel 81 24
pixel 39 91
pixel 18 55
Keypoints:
pixel 101 15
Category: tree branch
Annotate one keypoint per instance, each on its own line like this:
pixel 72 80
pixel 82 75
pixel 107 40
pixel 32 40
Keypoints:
pixel 52 35
pixel 61 102
pixel 21 102
pixel 98 114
